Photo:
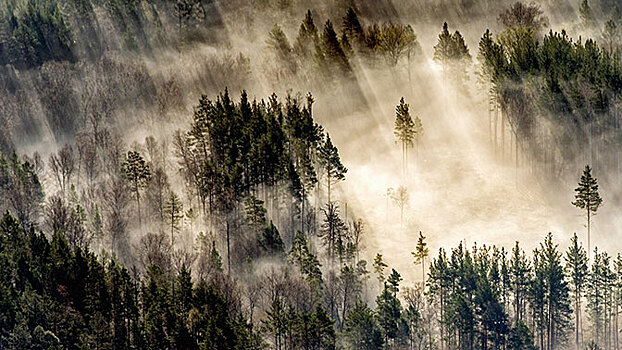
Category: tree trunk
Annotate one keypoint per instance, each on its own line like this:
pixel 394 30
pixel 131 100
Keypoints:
pixel 228 249
pixel 588 234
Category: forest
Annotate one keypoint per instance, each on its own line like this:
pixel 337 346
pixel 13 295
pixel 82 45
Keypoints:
pixel 278 174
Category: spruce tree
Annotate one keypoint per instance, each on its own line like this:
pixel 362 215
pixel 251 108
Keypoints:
pixel 588 199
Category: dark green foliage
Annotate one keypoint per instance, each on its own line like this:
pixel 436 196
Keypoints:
pixel 331 54
pixel 271 241
pixel 577 272
pixel 521 338
pixel 308 38
pixel 361 329
pixel 588 198
pixel 20 189
pixel 54 296
pixel 559 87
pixel 334 170
pixel 35 35
pixel 452 54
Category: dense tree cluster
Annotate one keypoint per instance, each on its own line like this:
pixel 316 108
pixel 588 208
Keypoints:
pixel 34 35
pixel 55 296
pixel 331 52
pixel 559 97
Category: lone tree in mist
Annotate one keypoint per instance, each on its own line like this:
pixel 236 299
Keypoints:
pixel 587 198
pixel 404 130
pixel 331 162
pixel 400 198
pixel 421 252
pixel 137 172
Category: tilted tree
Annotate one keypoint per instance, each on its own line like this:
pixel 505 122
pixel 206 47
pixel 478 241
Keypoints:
pixel 588 199
pixel 138 174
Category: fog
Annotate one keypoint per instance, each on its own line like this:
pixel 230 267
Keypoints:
pixel 458 189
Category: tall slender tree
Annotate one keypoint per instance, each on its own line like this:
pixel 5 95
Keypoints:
pixel 137 172
pixel 334 170
pixel 577 271
pixel 404 130
pixel 421 252
pixel 588 199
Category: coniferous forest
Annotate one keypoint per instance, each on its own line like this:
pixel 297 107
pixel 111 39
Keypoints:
pixel 281 174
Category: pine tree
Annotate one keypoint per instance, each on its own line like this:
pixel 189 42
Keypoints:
pixel 443 49
pixel 379 266
pixel 174 212
pixel 331 162
pixel 577 271
pixel 307 39
pixel 421 252
pixel 361 329
pixel 334 232
pixel 588 198
pixel 331 49
pixel 352 28
pixel 389 311
pixel 519 274
pixel 137 172
pixel 557 297
pixel 404 130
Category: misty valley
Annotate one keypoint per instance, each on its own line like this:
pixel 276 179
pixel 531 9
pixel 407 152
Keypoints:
pixel 335 174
